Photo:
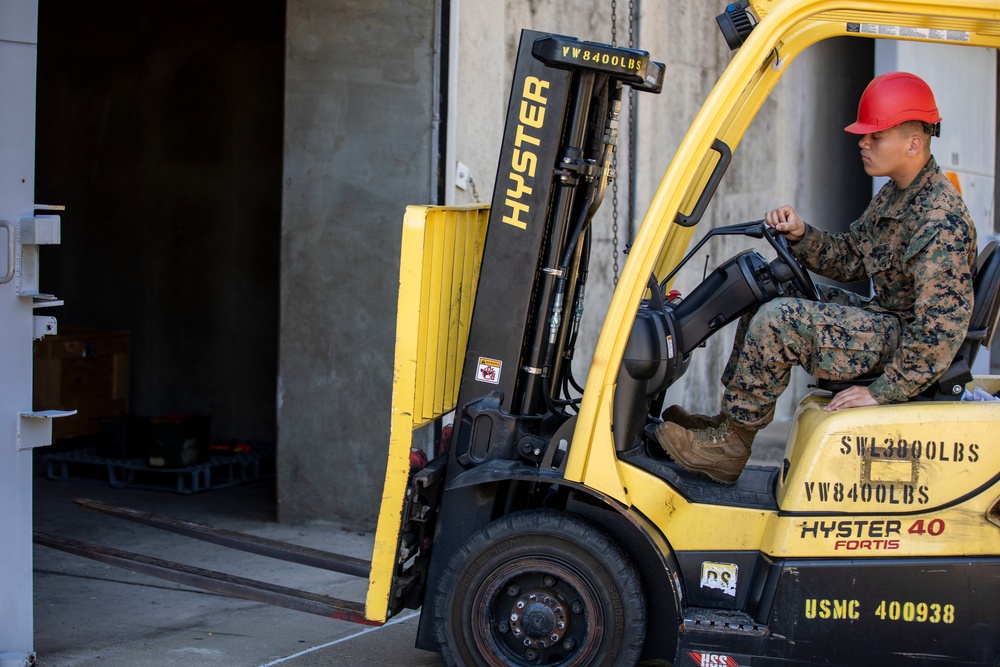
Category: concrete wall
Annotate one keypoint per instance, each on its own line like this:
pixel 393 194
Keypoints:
pixel 358 149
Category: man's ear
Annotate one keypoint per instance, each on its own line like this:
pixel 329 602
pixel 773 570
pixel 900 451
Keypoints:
pixel 915 145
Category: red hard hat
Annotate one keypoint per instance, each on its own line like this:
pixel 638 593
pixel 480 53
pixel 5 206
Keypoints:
pixel 894 98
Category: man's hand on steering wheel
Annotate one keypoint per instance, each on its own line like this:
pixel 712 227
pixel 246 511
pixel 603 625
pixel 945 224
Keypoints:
pixel 776 220
pixel 787 221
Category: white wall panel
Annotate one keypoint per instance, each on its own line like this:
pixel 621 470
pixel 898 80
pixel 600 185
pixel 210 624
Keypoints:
pixel 964 83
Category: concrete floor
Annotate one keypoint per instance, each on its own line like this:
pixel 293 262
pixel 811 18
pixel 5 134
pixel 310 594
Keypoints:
pixel 89 614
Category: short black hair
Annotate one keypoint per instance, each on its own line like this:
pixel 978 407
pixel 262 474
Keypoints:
pixel 927 129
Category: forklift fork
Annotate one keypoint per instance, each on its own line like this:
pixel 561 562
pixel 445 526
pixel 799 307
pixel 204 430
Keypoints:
pixel 219 582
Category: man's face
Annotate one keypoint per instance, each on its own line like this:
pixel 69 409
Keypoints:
pixel 884 153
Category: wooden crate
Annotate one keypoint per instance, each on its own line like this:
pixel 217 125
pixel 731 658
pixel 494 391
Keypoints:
pixel 84 370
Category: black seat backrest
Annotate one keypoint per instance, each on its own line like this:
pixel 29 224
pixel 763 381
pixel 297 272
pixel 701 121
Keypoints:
pixel 982 330
pixel 986 312
pixel 982 324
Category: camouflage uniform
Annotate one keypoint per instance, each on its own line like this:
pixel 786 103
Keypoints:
pixel 918 246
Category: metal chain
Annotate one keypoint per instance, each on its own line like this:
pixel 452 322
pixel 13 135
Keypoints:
pixel 631 25
pixel 475 193
pixel 614 164
pixel 614 222
pixel 631 118
pixel 614 22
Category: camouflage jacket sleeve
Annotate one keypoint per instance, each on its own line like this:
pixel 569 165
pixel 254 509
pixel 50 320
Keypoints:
pixel 836 256
pixel 938 258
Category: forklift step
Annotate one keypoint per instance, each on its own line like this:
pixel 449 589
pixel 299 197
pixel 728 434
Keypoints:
pixel 699 619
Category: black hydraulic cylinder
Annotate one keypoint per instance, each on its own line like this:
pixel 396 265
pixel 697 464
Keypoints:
pixel 580 108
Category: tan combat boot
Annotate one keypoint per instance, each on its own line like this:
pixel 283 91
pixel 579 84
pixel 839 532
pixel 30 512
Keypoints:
pixel 719 452
pixel 688 420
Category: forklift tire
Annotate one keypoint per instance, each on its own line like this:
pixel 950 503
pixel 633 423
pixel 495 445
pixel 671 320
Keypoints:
pixel 539 588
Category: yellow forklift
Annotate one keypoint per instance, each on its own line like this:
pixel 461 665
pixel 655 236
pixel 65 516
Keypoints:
pixel 550 529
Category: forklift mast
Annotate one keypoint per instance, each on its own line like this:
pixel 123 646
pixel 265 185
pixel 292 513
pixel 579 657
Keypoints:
pixel 515 388
pixel 555 163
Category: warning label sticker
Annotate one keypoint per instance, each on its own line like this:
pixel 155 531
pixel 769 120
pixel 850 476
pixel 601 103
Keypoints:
pixel 906 31
pixel 721 576
pixel 488 370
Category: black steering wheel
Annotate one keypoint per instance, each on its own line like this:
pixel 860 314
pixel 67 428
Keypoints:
pixel 799 274
pixel 757 229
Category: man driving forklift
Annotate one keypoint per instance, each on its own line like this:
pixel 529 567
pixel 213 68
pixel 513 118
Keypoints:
pixel 916 243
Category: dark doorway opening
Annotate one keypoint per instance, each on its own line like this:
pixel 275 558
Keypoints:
pixel 159 127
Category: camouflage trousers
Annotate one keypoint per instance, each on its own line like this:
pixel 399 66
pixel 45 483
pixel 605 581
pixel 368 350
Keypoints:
pixel 834 339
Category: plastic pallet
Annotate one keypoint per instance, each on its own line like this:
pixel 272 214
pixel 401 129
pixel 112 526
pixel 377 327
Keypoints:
pixel 218 472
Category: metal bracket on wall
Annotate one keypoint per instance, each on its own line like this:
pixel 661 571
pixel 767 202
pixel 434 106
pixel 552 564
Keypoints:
pixel 11 245
pixel 45 325
pixel 31 233
pixel 34 429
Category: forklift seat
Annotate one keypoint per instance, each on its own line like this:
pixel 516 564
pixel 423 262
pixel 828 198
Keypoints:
pixel 986 310
pixel 982 330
